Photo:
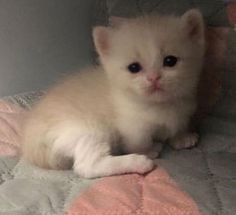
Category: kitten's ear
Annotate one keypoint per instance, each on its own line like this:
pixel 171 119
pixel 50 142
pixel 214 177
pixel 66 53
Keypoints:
pixel 194 24
pixel 101 37
pixel 116 21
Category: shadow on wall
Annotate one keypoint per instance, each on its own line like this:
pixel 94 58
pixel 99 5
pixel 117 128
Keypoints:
pixel 39 40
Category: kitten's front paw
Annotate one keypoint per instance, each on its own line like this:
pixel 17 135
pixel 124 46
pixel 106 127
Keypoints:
pixel 184 141
pixel 142 164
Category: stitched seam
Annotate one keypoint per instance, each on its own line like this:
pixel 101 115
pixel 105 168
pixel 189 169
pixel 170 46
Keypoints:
pixel 7 172
pixel 11 112
pixel 212 177
pixel 10 125
pixel 65 207
pixel 139 210
pixel 9 144
pixel 59 210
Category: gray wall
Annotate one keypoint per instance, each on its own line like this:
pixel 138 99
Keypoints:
pixel 40 39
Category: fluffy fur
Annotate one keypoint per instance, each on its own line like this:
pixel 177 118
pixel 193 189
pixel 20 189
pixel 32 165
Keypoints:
pixel 92 117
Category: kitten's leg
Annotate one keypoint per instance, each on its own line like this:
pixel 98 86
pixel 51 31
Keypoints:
pixel 115 165
pixel 143 145
pixel 93 159
pixel 155 150
pixel 184 141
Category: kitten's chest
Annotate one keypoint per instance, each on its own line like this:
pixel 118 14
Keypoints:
pixel 151 123
pixel 166 123
pixel 163 123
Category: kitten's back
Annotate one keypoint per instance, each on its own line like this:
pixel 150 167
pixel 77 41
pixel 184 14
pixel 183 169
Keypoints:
pixel 83 93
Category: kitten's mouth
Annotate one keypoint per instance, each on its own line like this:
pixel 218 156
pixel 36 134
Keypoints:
pixel 156 88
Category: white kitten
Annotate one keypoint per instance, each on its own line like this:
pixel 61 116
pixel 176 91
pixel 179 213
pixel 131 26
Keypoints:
pixel 144 90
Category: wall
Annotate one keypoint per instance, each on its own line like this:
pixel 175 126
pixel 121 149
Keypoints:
pixel 40 40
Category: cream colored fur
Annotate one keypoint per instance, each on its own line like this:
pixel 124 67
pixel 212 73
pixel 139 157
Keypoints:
pixel 90 117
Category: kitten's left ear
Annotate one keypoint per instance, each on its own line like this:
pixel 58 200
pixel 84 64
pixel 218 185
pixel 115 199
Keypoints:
pixel 193 24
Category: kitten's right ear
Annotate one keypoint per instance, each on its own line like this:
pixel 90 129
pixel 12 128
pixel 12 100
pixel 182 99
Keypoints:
pixel 194 24
pixel 101 37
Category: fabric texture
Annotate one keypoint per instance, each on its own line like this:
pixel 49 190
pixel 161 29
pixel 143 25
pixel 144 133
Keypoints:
pixel 154 193
pixel 12 114
pixel 10 118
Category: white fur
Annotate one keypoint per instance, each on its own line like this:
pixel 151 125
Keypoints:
pixel 90 117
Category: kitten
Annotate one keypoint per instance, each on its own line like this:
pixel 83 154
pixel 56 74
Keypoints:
pixel 145 89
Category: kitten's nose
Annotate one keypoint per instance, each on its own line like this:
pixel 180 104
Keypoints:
pixel 152 77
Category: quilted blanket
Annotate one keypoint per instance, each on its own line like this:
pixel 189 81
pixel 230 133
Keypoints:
pixel 197 181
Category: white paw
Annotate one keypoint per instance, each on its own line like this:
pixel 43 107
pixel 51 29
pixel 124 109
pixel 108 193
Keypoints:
pixel 141 163
pixel 186 141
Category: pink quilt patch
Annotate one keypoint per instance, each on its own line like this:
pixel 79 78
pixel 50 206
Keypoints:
pixel 11 117
pixel 132 194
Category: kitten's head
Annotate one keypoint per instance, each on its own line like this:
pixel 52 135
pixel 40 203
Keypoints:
pixel 157 58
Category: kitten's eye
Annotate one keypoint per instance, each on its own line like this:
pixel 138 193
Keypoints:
pixel 170 61
pixel 135 67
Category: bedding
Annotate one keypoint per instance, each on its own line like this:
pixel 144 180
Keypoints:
pixel 187 182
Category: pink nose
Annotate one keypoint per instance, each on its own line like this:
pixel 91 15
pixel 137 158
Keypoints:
pixel 152 77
